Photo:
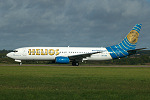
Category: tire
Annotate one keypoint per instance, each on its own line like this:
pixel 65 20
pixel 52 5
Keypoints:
pixel 20 63
pixel 75 63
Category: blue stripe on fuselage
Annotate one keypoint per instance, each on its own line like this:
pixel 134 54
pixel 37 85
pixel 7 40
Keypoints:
pixel 116 52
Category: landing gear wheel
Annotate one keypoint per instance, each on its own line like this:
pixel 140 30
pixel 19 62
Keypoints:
pixel 75 63
pixel 20 63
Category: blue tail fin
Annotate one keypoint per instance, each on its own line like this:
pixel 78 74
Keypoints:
pixel 128 43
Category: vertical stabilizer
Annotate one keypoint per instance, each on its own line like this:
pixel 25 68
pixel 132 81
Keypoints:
pixel 128 43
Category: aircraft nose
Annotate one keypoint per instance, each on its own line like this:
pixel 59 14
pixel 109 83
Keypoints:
pixel 9 55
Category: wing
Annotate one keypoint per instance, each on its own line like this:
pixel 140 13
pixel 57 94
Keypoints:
pixel 81 56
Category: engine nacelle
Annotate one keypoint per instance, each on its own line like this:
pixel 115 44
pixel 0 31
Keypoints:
pixel 62 60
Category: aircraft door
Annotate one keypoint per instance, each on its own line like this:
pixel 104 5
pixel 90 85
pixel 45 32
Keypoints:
pixel 24 53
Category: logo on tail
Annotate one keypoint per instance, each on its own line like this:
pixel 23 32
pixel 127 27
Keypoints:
pixel 134 34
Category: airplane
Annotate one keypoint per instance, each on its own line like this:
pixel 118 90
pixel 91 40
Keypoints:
pixel 65 55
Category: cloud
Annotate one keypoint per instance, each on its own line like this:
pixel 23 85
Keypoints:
pixel 70 22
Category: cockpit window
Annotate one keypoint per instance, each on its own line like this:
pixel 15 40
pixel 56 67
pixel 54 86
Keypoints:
pixel 15 50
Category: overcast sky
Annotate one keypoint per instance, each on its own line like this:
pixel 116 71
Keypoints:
pixel 87 23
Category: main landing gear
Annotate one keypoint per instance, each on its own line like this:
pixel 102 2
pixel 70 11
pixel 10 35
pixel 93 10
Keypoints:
pixel 75 63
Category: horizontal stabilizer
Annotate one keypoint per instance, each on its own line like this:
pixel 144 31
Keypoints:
pixel 134 51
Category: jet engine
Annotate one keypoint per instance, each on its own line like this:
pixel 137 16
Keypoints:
pixel 62 60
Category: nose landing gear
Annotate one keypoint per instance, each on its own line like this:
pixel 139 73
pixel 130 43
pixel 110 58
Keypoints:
pixel 20 63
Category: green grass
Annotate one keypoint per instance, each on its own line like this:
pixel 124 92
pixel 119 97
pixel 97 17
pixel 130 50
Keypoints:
pixel 74 83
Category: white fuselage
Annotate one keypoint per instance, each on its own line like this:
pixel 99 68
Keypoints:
pixel 50 53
